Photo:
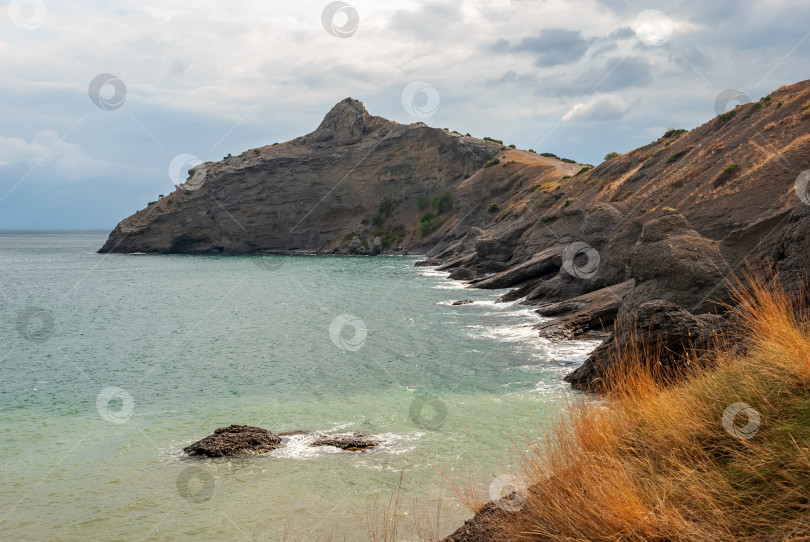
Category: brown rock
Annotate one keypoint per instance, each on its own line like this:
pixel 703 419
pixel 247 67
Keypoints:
pixel 350 441
pixel 235 440
pixel 594 311
pixel 659 323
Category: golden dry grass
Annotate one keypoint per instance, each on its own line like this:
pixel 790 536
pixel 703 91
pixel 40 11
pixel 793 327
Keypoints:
pixel 656 463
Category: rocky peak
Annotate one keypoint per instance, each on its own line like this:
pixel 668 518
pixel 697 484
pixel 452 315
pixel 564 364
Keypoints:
pixel 345 123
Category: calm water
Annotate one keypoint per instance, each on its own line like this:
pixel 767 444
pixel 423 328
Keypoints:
pixel 121 361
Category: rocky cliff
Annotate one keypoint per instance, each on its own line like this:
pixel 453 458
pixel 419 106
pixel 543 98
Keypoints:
pixel 356 177
pixel 652 236
pixel 654 232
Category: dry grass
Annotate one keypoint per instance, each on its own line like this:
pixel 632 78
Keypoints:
pixel 388 522
pixel 655 463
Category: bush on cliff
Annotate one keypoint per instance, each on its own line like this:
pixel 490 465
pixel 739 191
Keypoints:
pixel 443 203
pixel 422 202
pixel 426 227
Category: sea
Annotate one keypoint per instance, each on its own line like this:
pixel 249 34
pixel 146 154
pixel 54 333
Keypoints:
pixel 111 364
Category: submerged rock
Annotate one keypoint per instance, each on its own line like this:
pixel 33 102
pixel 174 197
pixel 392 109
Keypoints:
pixel 235 440
pixel 351 441
pixel 463 302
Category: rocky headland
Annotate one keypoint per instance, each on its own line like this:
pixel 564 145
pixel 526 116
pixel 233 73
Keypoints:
pixel 652 238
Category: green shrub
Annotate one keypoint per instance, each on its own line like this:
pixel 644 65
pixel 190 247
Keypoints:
pixel 549 155
pixel 583 170
pixel 672 132
pixel 567 203
pixel 779 104
pixel 422 202
pixel 492 162
pixel 386 207
pixel 390 237
pixel 429 226
pixel 427 217
pixel 757 106
pixel 468 135
pixel 377 220
pixel 532 151
pixel 725 117
pixel 443 202
pixel 674 157
pixel 493 208
pixel 730 169
pixel 498 141
pixel 568 161
pixel 611 155
pixel 187 192
pixel 169 201
pixel 566 177
pixel 512 147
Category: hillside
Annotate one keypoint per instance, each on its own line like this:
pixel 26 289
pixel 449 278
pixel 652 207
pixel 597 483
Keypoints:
pixel 355 177
pixel 651 235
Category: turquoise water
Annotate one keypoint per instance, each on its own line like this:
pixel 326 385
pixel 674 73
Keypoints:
pixel 122 360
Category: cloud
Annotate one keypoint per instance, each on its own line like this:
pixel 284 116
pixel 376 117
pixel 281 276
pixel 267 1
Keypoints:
pixel 54 159
pixel 554 47
pixel 428 21
pixel 608 107
pixel 219 80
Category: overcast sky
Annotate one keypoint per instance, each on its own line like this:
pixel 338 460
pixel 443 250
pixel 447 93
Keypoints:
pixel 580 78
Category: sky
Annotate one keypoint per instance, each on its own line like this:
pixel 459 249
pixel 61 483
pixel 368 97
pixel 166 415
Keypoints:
pixel 99 98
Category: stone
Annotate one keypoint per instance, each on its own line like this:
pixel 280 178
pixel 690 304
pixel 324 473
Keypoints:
pixel 235 440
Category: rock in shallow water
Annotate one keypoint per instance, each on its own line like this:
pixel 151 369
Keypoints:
pixel 352 441
pixel 235 440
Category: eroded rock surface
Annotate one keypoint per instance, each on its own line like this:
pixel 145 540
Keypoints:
pixel 351 441
pixel 235 440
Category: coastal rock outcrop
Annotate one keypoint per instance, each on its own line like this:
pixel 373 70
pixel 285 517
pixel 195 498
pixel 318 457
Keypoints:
pixel 594 311
pixel 353 180
pixel 350 441
pixel 235 440
pixel 656 327
pixel 791 257
pixel 673 262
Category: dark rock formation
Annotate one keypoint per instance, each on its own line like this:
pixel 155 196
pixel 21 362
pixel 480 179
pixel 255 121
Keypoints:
pixel 315 193
pixel 675 263
pixel 791 254
pixel 350 441
pixel 235 440
pixel 463 302
pixel 486 526
pixel 657 326
pixel 594 311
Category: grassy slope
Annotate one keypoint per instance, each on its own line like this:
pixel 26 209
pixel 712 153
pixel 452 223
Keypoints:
pixel 658 464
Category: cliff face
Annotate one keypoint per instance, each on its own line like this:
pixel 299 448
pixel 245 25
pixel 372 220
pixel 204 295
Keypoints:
pixel 311 194
pixel 666 224
pixel 675 216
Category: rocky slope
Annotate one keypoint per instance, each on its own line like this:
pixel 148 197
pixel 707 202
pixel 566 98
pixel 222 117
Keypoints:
pixel 668 222
pixel 316 193
pixel 650 237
